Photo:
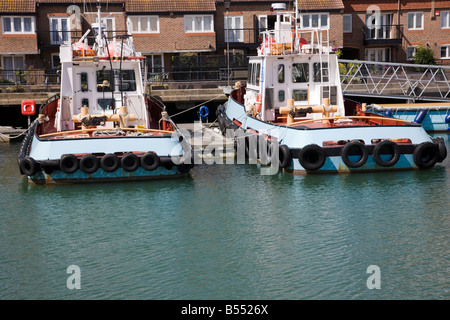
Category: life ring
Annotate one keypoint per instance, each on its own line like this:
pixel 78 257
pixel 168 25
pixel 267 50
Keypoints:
pixel 284 156
pixel 109 162
pixel 441 148
pixel 28 166
pixel 89 163
pixel 386 147
pixel 312 157
pixel 150 161
pixel 203 112
pixel 129 162
pixel 354 148
pixel 68 163
pixel 426 155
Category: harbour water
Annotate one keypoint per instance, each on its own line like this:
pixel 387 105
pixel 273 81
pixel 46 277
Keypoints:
pixel 227 232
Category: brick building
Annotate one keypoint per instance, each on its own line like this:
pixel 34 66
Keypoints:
pixel 403 25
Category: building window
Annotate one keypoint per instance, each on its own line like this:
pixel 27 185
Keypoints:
pixel 56 62
pixel 194 24
pixel 347 23
pixel 110 24
pixel 378 54
pixel 315 20
pixel 445 51
pixel 144 24
pixel 415 21
pixel 59 30
pixel 410 52
pixel 21 25
pixel 445 20
pixel 234 26
pixel 10 64
pixel 155 63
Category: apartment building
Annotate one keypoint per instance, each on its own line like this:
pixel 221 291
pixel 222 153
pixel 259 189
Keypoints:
pixel 391 30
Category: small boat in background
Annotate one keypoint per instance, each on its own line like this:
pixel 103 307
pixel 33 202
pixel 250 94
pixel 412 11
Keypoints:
pixel 102 126
pixel 434 117
pixel 292 106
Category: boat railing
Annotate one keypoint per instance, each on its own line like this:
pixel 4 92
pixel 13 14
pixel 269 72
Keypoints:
pixel 288 41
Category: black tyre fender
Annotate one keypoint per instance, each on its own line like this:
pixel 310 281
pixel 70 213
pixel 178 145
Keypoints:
pixel 347 151
pixel 89 163
pixel 28 166
pixel 441 148
pixel 426 155
pixel 386 146
pixel 130 162
pixel 109 162
pixel 69 163
pixel 312 157
pixel 150 161
pixel 285 157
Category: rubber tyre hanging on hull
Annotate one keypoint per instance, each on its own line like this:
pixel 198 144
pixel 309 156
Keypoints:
pixel 68 163
pixel 284 157
pixel 312 157
pixel 130 162
pixel 441 148
pixel 28 166
pixel 354 148
pixel 109 162
pixel 386 147
pixel 150 161
pixel 426 155
pixel 89 163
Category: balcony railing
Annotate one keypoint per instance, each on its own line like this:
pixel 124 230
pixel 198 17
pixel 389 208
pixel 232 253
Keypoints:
pixel 383 35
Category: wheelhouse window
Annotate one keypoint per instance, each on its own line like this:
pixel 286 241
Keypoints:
pixel 84 82
pixel 300 72
pixel 415 21
pixel 300 95
pixel 194 23
pixel 144 24
pixel 18 25
pixel 281 73
pixel 127 80
pixel 254 74
pixel 105 80
pixel 317 70
pixel 59 30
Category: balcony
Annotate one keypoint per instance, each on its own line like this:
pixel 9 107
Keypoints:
pixel 383 35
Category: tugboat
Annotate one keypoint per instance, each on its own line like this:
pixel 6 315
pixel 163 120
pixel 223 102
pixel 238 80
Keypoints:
pixel 292 107
pixel 102 126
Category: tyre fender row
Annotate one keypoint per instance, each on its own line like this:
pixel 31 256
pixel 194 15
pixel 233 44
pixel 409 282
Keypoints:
pixel 425 155
pixel 90 163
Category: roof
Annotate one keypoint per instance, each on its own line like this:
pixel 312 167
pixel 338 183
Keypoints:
pixel 170 5
pixel 69 2
pixel 320 4
pixel 16 6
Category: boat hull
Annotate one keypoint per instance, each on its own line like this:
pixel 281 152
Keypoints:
pixel 336 158
pixel 66 160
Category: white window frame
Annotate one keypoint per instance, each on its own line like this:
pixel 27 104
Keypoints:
pixel 143 20
pixel 445 19
pixel 8 73
pixel 22 25
pixel 190 19
pixel 447 50
pixel 414 17
pixel 309 17
pixel 413 49
pixel 350 17
pixel 385 52
pixel 235 34
pixel 111 31
pixel 59 30
pixel 152 58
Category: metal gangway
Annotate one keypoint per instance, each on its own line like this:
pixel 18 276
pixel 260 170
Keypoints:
pixel 412 82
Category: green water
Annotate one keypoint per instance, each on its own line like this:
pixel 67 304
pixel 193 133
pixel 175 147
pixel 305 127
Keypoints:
pixel 227 232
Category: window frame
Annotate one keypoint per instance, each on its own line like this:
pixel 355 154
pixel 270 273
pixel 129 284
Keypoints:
pixel 414 14
pixel 203 30
pixel 447 17
pixel 22 25
pixel 350 23
pixel 59 30
pixel 447 49
pixel 148 19
pixel 319 21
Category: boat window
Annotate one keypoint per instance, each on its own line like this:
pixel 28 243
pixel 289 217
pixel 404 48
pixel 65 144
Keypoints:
pixel 127 81
pixel 85 102
pixel 316 70
pixel 281 96
pixel 281 73
pixel 300 95
pixel 105 81
pixel 250 72
pixel 105 104
pixel 257 71
pixel 84 81
pixel 300 72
